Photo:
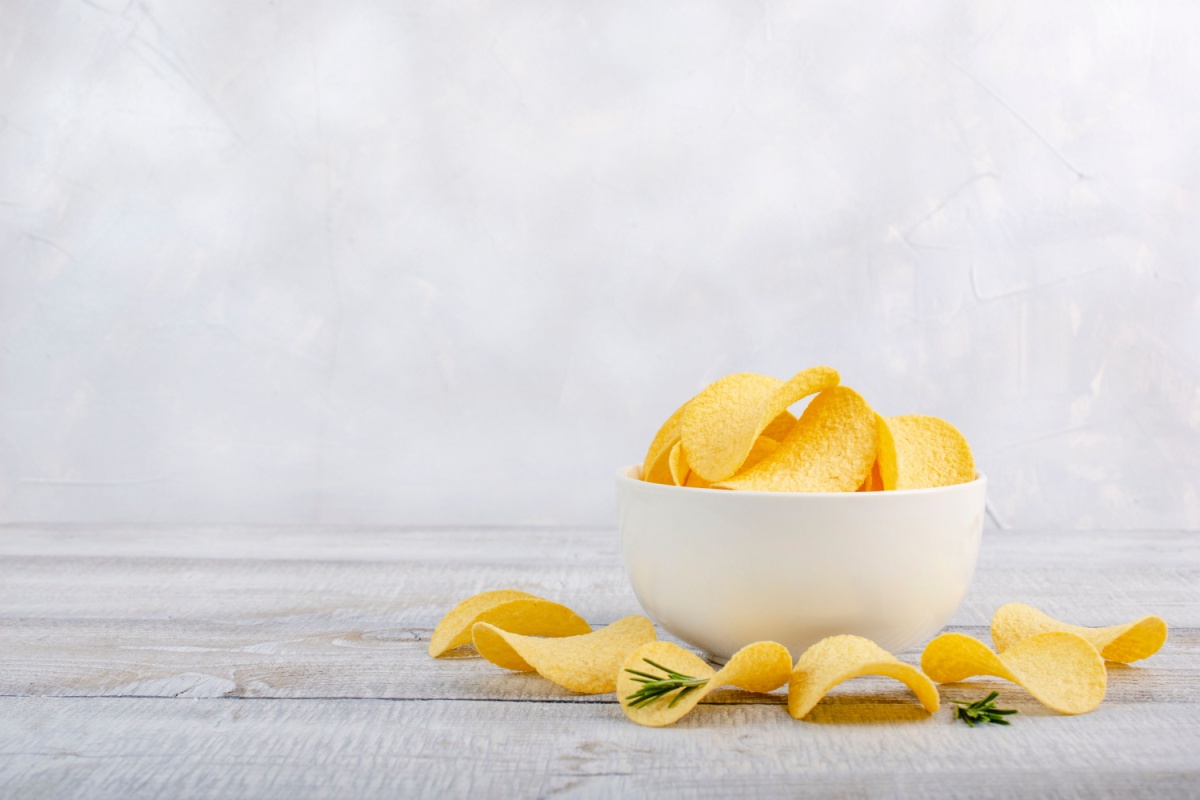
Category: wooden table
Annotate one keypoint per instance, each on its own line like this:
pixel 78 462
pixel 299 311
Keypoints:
pixel 267 662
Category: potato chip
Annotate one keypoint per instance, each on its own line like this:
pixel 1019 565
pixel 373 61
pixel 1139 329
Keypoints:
pixel 1126 643
pixel 873 481
pixel 763 447
pixel 660 471
pixel 516 612
pixel 649 696
pixel 678 466
pixel 778 429
pixel 1062 670
pixel 587 663
pixel 920 452
pixel 840 658
pixel 876 478
pixel 655 466
pixel 885 457
pixel 830 449
pixel 721 423
pixel 799 386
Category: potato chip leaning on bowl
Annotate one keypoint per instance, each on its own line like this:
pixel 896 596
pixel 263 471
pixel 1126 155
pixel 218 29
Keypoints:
pixel 1133 641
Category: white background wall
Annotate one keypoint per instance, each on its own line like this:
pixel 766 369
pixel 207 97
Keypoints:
pixel 408 262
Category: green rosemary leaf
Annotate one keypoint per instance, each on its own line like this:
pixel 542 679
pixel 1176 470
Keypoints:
pixel 982 711
pixel 655 687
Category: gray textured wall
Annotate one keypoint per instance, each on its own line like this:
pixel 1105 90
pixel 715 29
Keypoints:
pixel 407 262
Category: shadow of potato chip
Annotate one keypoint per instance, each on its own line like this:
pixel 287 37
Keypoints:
pixel 866 710
pixel 462 651
pixel 731 695
pixel 1011 696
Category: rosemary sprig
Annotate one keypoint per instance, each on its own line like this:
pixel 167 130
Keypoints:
pixel 655 686
pixel 982 711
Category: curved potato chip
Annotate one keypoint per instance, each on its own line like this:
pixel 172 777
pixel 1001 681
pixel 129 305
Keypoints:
pixel 799 386
pixel 1062 670
pixel 721 423
pixel 587 663
pixel 660 471
pixel 655 466
pixel 920 452
pixel 517 612
pixel 840 658
pixel 830 449
pixel 679 467
pixel 1126 643
pixel 763 447
pixel 885 457
pixel 778 428
pixel 873 481
pixel 758 667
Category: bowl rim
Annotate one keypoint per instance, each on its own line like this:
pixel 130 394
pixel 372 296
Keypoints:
pixel 626 474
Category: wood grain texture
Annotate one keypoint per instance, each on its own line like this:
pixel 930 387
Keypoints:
pixel 302 655
pixel 129 748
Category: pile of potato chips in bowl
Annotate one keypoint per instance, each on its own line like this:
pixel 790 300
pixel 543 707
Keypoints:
pixel 746 523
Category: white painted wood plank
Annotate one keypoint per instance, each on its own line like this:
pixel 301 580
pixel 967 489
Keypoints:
pixel 155 625
pixel 412 577
pixel 470 545
pixel 284 615
pixel 102 658
pixel 297 543
pixel 131 748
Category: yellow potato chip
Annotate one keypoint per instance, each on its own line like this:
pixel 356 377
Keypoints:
pixel 517 612
pixel 885 458
pixel 920 452
pixel 1126 643
pixel 876 478
pixel 839 658
pixel 779 427
pixel 1062 670
pixel 830 449
pixel 660 682
pixel 763 447
pixel 655 466
pixel 721 423
pixel 799 386
pixel 587 663
pixel 874 481
pixel 679 467
pixel 660 471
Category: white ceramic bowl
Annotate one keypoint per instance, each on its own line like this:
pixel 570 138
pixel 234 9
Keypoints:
pixel 722 569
